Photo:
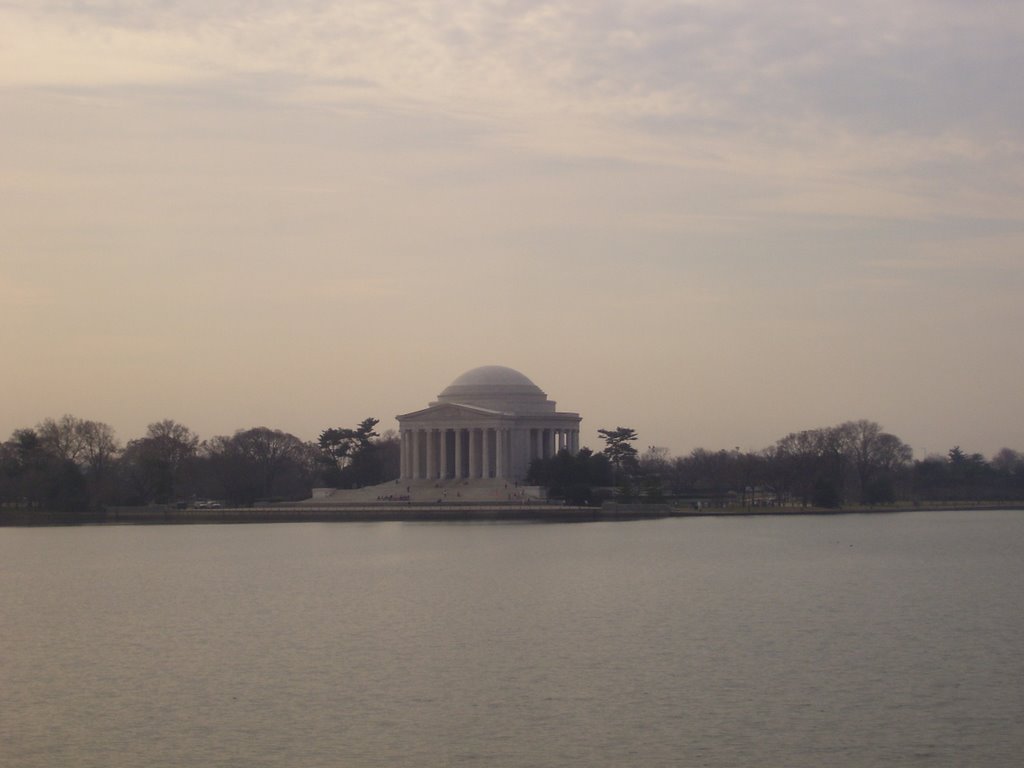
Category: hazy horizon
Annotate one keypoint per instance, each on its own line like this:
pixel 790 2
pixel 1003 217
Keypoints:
pixel 714 222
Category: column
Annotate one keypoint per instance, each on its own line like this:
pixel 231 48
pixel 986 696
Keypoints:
pixel 415 474
pixel 474 453
pixel 442 453
pixel 537 449
pixel 458 454
pixel 485 468
pixel 401 453
pixel 516 444
pixel 499 453
pixel 431 457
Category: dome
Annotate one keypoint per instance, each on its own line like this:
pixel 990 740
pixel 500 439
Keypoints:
pixel 492 376
pixel 498 388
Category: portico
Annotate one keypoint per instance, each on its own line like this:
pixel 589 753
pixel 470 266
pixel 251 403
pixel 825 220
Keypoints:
pixel 491 422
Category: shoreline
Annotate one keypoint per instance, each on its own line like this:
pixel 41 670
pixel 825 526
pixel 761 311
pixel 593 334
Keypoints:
pixel 450 512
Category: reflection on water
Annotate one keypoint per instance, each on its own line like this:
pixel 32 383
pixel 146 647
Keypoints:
pixel 839 641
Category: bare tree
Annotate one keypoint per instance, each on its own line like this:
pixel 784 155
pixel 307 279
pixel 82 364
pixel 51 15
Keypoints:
pixel 876 456
pixel 62 437
pixel 158 464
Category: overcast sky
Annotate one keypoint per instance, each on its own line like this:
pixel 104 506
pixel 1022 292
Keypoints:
pixel 714 221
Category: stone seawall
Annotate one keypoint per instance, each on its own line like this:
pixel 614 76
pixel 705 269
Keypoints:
pixel 340 513
pixel 420 512
pixel 385 512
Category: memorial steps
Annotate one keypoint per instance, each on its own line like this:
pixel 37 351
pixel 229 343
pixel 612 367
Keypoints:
pixel 451 490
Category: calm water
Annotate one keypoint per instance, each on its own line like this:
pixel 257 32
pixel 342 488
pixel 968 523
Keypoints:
pixel 829 641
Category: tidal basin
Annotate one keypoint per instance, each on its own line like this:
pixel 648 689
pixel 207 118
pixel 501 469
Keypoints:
pixel 852 640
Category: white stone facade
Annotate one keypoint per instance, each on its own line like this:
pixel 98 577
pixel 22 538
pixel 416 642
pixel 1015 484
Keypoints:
pixel 491 422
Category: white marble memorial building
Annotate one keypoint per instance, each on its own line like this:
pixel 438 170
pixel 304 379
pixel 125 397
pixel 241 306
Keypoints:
pixel 491 422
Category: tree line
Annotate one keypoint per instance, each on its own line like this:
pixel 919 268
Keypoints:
pixel 73 465
pixel 853 463
pixel 77 466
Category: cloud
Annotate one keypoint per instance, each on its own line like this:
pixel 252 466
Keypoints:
pixel 863 109
pixel 67 50
pixel 698 61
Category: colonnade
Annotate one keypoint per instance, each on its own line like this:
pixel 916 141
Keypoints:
pixel 479 452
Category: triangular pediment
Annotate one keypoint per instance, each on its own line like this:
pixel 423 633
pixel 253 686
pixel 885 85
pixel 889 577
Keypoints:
pixel 450 412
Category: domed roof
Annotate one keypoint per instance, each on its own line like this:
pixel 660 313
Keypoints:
pixel 498 388
pixel 492 376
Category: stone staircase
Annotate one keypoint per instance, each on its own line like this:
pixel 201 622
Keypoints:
pixel 429 492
